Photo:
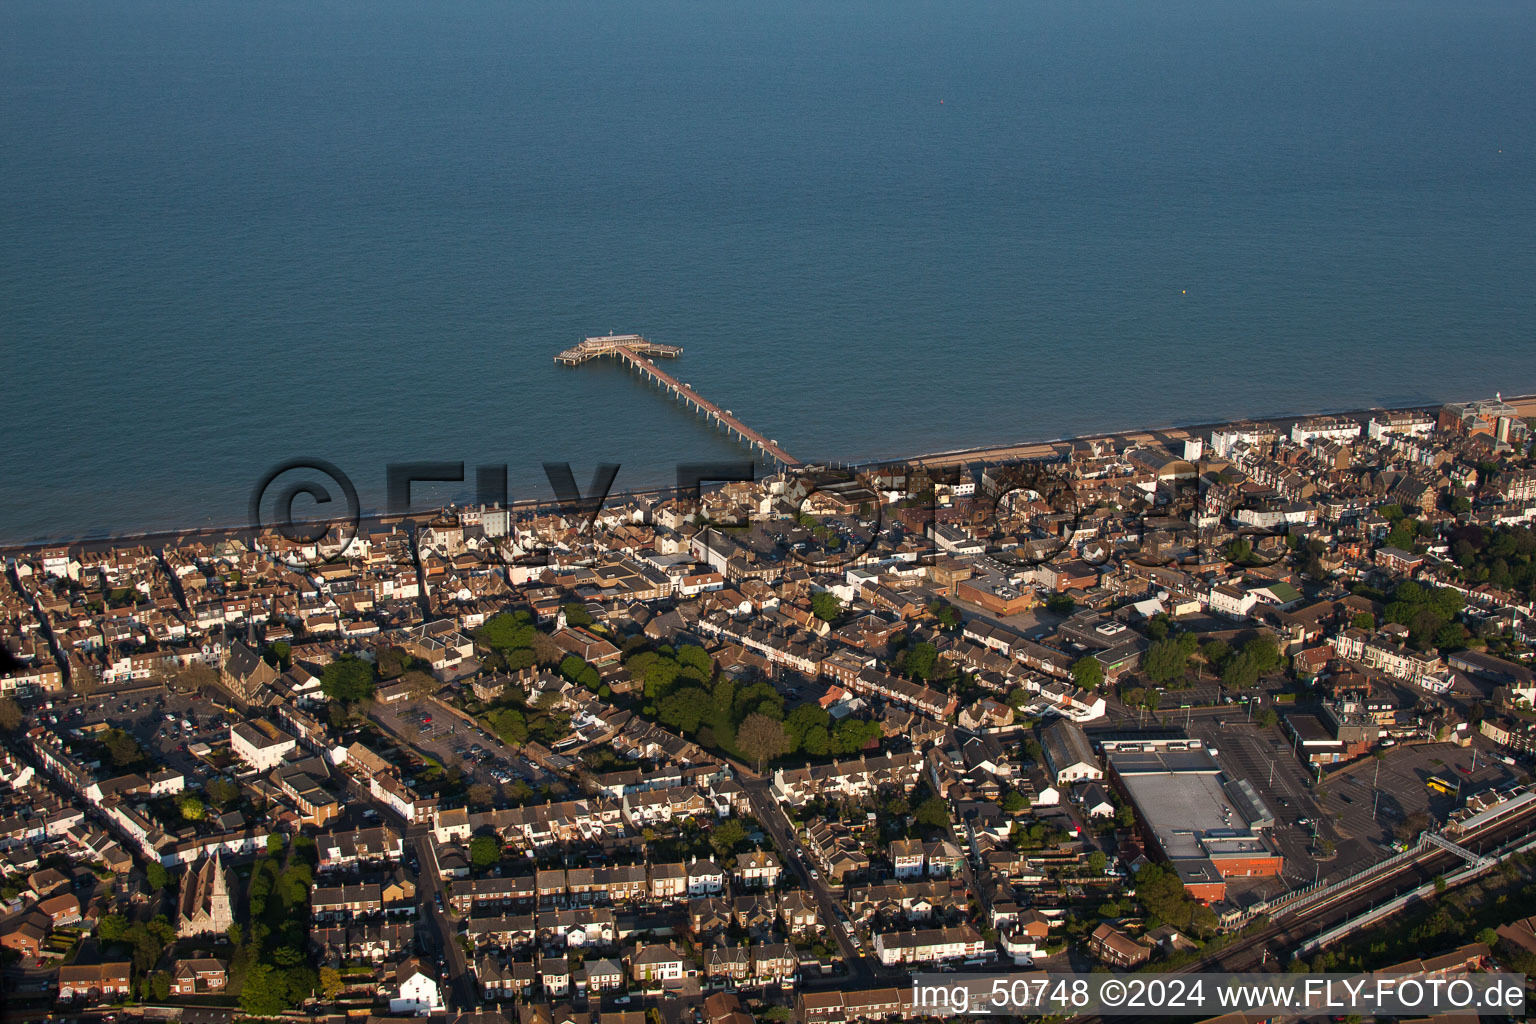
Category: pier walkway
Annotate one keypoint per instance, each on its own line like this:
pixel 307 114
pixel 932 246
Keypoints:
pixel 633 349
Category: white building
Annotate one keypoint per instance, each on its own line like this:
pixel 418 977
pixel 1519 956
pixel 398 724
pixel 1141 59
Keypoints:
pixel 1327 428
pixel 1232 600
pixel 929 945
pixel 418 990
pixel 260 744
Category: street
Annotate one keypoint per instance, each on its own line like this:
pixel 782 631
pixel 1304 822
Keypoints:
pixel 437 931
pixel 861 970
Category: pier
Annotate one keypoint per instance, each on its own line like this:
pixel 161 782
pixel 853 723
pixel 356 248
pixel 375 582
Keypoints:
pixel 633 349
pixel 615 344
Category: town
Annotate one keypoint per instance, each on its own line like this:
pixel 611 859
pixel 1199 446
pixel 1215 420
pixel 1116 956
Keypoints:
pixel 1258 698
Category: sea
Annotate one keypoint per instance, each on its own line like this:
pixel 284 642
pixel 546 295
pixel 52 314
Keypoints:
pixel 238 234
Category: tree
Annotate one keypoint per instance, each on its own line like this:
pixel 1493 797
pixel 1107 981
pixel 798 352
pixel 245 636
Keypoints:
pixel 802 720
pixel 1237 551
pixel 221 791
pixel 726 836
pixel 1165 661
pixel 762 738
pixel 480 794
pixel 122 748
pixel 191 807
pixel 852 735
pixel 160 985
pixel 932 813
pixel 920 660
pixel 274 844
pixel 1402 535
pixel 576 614
pixel 484 851
pixel 519 660
pixel 509 725
pixel 10 714
pixel 392 661
pixel 817 742
pixel 1088 673
pixel 1240 671
pixel 1060 604
pixel 508 631
pixel 947 614
pixel 684 710
pixel 1264 652
pixel 1364 620
pixel 348 679
pixel 419 685
pixel 156 875
pixel 695 657
pixel 1014 801
pixel 826 605
pixel 660 677
pixel 265 993
pixel 112 928
pixel 331 984
pixel 1097 862
pixel 546 650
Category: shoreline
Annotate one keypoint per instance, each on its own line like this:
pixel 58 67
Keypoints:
pixel 1525 404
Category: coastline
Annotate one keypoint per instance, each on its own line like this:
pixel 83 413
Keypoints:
pixel 1525 404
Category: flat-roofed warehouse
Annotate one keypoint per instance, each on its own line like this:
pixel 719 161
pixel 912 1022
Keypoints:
pixel 1205 826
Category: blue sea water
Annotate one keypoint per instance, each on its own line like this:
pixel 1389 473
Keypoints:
pixel 234 233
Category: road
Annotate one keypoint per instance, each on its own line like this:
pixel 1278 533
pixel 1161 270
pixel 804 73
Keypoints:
pixel 439 932
pixel 861 970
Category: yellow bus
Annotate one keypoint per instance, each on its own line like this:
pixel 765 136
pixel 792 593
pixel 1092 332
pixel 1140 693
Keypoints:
pixel 1443 784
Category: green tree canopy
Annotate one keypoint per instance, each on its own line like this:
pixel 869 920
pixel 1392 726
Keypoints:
pixel 920 661
pixel 392 661
pixel 726 837
pixel 1088 673
pixel 484 850
pixel 348 679
pixel 507 631
pixel 122 748
pixel 803 719
pixel 932 813
pixel 221 791
pixel 684 709
pixel 1165 661
pixel 826 605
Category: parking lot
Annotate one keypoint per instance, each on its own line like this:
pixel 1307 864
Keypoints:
pixel 1400 776
pixel 165 723
pixel 1262 758
pixel 445 736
